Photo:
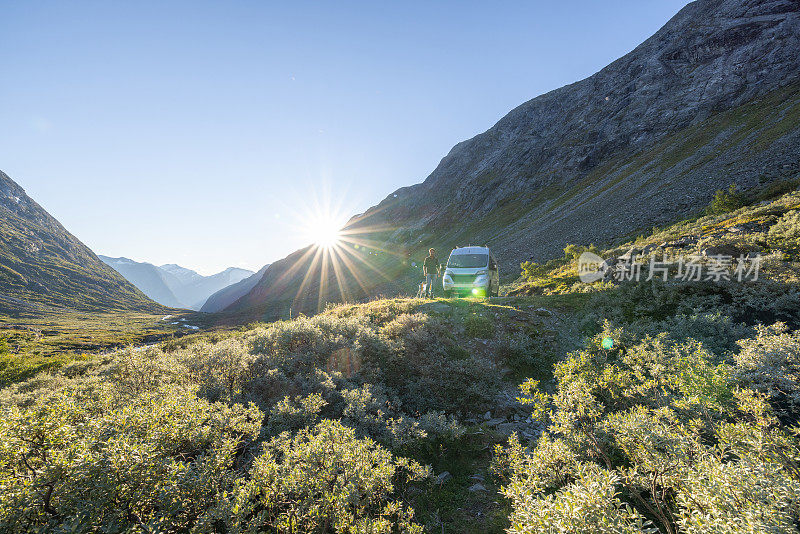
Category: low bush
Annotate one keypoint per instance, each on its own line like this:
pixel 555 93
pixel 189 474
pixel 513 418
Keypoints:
pixel 726 200
pixel 479 326
pixel 770 364
pixel 785 234
pixel 652 434
pixel 90 459
pixel 323 479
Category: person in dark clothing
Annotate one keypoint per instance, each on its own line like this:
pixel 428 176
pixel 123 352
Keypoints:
pixel 430 268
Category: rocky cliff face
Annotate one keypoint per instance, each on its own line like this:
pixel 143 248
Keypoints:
pixel 42 264
pixel 712 98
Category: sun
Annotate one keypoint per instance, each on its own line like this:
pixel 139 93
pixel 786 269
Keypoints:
pixel 340 259
pixel 326 235
pixel 324 231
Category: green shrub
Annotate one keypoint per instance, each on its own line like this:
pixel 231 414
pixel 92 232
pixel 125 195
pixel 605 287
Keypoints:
pixel 770 364
pixel 651 427
pixel 573 252
pixel 293 413
pixel 88 459
pixel 733 497
pixel 324 479
pixel 479 326
pixel 725 201
pixel 785 234
pixel 589 505
pixel 532 270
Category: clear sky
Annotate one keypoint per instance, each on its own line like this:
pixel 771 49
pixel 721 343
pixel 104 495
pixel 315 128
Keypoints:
pixel 201 133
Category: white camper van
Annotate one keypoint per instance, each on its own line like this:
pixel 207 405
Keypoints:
pixel 473 271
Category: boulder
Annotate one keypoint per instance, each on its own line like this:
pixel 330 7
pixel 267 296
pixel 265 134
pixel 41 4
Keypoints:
pixel 721 250
pixel 630 254
pixel 443 478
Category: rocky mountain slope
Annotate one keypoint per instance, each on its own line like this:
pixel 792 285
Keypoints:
pixel 712 98
pixel 228 295
pixel 173 285
pixel 43 265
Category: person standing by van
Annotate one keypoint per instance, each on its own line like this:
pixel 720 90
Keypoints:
pixel 430 268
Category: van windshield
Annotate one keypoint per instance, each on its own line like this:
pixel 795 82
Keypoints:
pixel 468 261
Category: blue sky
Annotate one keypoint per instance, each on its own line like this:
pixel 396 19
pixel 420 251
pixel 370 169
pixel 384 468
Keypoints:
pixel 208 133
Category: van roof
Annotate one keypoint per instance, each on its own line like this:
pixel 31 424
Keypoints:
pixel 470 250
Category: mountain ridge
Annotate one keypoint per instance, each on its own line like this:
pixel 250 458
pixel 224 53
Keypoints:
pixel 151 280
pixel 173 285
pixel 230 294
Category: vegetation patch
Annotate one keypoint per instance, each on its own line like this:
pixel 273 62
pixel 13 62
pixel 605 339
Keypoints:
pixel 479 326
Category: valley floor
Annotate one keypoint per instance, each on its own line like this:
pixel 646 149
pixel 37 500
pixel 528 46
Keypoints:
pixel 46 340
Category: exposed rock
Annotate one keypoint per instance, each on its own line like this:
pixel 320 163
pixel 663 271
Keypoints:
pixel 477 487
pixel 507 428
pixel 721 250
pixel 443 478
pixel 630 255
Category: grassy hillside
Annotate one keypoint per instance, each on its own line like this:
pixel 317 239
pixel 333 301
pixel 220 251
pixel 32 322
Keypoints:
pixel 628 407
pixel 43 266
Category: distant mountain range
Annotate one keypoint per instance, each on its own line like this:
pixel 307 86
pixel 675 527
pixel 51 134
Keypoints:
pixel 173 285
pixel 228 295
pixel 711 99
pixel 43 266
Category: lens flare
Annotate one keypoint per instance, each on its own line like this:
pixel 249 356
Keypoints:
pixel 343 260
